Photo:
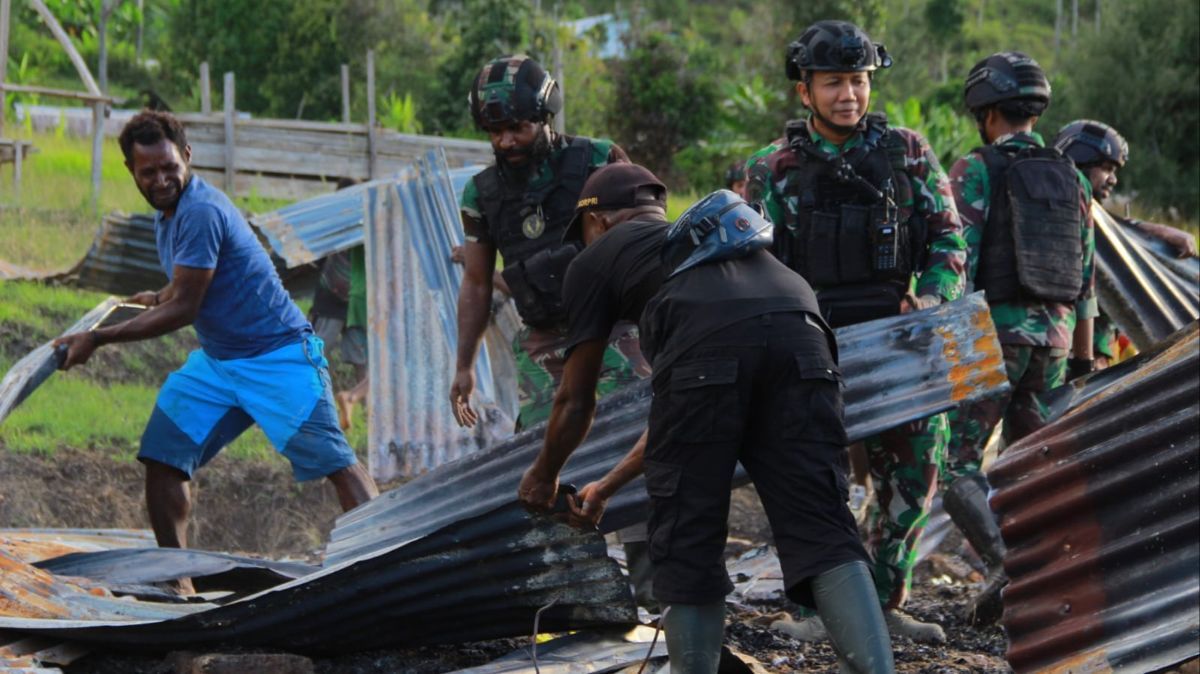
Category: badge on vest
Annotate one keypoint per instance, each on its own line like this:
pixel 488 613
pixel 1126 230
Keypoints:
pixel 534 225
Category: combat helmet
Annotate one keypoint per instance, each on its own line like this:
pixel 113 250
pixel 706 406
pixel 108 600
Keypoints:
pixel 837 46
pixel 1006 76
pixel 514 89
pixel 1089 142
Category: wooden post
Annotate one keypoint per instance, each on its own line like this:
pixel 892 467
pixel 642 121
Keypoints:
pixel 5 7
pixel 345 94
pixel 97 149
pixel 17 158
pixel 205 90
pixel 137 53
pixel 65 41
pixel 229 126
pixel 372 148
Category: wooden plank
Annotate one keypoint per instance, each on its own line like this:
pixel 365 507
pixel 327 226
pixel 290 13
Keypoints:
pixel 292 124
pixel 345 92
pixel 59 34
pixel 60 93
pixel 272 187
pixel 372 141
pixel 257 160
pixel 205 90
pixel 5 12
pixel 230 137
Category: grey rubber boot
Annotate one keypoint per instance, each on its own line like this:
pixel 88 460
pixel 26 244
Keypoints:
pixel 694 633
pixel 966 503
pixel 849 608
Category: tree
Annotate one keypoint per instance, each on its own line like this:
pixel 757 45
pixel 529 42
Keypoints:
pixel 1139 75
pixel 490 29
pixel 668 100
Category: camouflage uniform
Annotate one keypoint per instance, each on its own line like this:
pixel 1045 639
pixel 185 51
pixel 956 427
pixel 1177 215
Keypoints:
pixel 1036 336
pixel 539 353
pixel 906 461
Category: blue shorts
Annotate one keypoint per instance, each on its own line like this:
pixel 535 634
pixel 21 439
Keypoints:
pixel 207 403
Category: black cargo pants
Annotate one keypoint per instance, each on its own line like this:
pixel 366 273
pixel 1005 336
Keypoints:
pixel 764 392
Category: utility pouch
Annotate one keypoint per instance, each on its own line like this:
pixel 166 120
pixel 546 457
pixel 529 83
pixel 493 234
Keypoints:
pixel 854 242
pixel 852 304
pixel 536 285
pixel 821 249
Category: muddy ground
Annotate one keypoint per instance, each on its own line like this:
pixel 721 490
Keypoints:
pixel 254 507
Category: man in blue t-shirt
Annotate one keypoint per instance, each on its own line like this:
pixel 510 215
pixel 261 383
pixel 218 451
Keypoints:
pixel 259 361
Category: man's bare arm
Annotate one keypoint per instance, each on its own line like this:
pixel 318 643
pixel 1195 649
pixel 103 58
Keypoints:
pixel 570 420
pixel 474 307
pixel 184 296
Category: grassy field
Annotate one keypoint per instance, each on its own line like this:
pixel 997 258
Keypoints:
pixel 52 223
pixel 104 404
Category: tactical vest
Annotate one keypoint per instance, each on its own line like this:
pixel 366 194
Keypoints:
pixel 527 227
pixel 1031 248
pixel 843 229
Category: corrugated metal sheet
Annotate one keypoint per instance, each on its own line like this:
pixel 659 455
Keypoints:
pixel 123 258
pixel 34 545
pixel 412 297
pixel 1101 514
pixel 479 578
pixel 314 228
pixel 141 566
pixel 896 369
pixel 28 373
pixel 1141 285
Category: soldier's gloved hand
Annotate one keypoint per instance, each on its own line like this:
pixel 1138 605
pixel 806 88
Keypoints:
pixel 913 303
pixel 1078 367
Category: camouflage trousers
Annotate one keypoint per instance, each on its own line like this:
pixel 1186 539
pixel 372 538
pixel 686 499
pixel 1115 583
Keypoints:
pixel 1032 370
pixel 541 356
pixel 905 463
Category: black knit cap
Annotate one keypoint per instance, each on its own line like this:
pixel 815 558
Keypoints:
pixel 612 188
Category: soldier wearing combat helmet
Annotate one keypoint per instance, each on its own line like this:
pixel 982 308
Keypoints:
pixel 1099 151
pixel 519 208
pixel 1026 218
pixel 860 207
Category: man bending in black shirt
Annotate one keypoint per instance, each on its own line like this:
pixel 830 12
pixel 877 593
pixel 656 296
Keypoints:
pixel 745 370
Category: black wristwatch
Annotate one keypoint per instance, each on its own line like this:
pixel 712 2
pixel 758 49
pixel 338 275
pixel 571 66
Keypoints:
pixel 1078 367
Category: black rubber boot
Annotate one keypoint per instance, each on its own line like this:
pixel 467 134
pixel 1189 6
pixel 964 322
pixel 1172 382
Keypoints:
pixel 966 503
pixel 849 608
pixel 694 633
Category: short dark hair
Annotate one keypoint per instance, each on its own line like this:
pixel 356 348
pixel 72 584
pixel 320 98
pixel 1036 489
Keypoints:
pixel 1014 111
pixel 150 127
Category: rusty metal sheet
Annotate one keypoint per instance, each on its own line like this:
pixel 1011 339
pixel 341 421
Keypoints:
pixel 34 545
pixel 479 578
pixel 412 331
pixel 1101 514
pixel 140 566
pixel 36 367
pixel 1140 284
pixel 897 369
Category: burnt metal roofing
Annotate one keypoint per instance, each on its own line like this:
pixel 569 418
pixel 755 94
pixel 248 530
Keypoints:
pixel 896 369
pixel 36 367
pixel 412 330
pixel 478 578
pixel 314 228
pixel 1140 284
pixel 1101 513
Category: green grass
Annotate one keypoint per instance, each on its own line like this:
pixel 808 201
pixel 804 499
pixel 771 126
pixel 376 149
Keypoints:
pixel 103 405
pixel 52 224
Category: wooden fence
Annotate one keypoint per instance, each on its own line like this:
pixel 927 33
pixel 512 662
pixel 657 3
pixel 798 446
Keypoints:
pixel 288 159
